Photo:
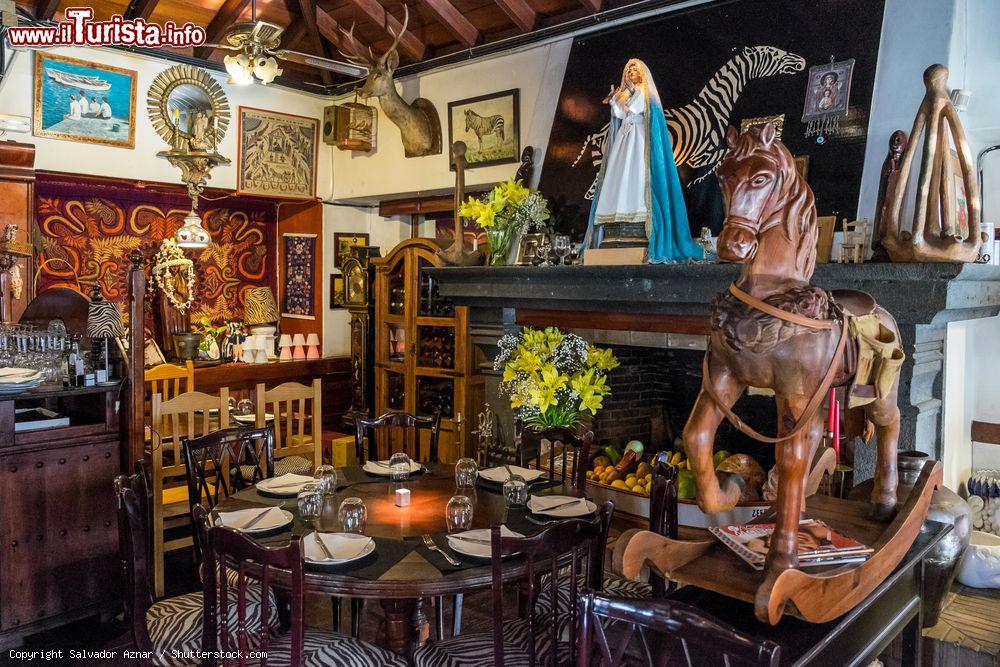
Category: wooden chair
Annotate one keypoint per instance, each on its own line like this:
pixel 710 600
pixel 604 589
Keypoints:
pixel 185 415
pixel 174 625
pixel 165 379
pixel 658 633
pixel 298 430
pixel 571 550
pixel 227 549
pixel 399 430
pixel 222 463
pixel 528 450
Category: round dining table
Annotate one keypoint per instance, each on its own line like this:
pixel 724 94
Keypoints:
pixel 409 572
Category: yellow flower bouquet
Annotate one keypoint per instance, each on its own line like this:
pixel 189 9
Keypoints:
pixel 508 210
pixel 552 377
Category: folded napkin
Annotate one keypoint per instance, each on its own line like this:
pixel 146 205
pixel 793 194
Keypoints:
pixel 273 518
pixel 499 474
pixel 481 546
pixel 541 504
pixel 286 481
pixel 342 546
pixel 382 467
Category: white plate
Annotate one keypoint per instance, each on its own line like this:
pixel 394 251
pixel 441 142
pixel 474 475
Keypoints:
pixel 269 485
pixel 252 419
pixel 499 474
pixel 313 552
pixel 264 526
pixel 582 508
pixel 373 468
pixel 475 549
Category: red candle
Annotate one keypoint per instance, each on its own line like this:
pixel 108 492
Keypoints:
pixel 831 407
pixel 836 425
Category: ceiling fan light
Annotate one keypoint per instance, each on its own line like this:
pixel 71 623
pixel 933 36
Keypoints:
pixel 239 69
pixel 266 69
pixel 192 234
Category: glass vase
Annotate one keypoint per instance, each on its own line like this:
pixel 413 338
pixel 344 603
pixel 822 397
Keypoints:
pixel 499 245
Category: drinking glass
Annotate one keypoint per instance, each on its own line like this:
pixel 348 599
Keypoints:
pixel 326 477
pixel 353 515
pixel 310 499
pixel 515 491
pixel 561 247
pixel 458 514
pixel 466 472
pixel 399 467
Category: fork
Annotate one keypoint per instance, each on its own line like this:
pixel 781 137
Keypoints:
pixel 429 543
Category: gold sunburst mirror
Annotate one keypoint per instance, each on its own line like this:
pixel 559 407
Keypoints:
pixel 180 99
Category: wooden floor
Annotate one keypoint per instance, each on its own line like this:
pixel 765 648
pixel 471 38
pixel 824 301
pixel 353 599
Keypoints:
pixel 968 634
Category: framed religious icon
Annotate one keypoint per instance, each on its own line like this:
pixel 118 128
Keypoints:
pixel 277 154
pixel 827 97
pixel 77 100
pixel 343 243
pixel 490 127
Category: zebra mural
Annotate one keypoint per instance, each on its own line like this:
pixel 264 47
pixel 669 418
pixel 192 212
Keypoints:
pixel 484 126
pixel 698 129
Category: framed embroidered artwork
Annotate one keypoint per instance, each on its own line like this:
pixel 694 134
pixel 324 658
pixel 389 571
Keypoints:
pixel 299 276
pixel 277 154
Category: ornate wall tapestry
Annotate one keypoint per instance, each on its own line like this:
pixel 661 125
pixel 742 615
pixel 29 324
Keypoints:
pixel 277 154
pixel 715 65
pixel 299 281
pixel 93 228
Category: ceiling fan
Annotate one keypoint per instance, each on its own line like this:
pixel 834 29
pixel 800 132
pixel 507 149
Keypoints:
pixel 257 44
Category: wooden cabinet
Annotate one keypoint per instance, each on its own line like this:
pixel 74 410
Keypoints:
pixel 17 207
pixel 423 358
pixel 58 529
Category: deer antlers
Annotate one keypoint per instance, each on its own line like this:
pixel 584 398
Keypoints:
pixel 354 52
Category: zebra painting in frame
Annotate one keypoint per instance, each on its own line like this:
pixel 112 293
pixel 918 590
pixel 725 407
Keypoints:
pixel 490 127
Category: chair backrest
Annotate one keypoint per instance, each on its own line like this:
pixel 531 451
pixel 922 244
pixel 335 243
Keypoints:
pixel 185 415
pixel 166 379
pixel 298 418
pixel 571 552
pixel 136 590
pixel 528 449
pixel 400 431
pixel 662 515
pixel 228 548
pixel 661 632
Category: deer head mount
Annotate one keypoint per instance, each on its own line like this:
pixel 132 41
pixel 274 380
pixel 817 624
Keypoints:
pixel 418 121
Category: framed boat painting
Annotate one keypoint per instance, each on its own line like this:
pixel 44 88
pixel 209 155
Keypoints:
pixel 77 100
pixel 277 154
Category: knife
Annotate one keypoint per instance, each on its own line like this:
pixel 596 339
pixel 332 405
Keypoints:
pixel 322 545
pixel 473 540
pixel 253 522
pixel 562 505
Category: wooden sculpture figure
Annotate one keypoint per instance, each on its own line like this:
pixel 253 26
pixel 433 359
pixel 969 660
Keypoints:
pixel 774 329
pixel 456 254
pixel 936 234
pixel 418 121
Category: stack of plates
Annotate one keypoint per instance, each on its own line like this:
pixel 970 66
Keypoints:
pixel 16 380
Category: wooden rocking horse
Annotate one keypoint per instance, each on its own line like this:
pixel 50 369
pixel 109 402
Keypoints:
pixel 774 329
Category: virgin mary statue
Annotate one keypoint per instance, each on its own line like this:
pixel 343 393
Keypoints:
pixel 638 182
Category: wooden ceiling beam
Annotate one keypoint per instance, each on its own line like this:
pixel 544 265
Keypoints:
pixel 46 9
pixel 520 12
pixel 139 9
pixel 294 35
pixel 308 8
pixel 408 43
pixel 228 14
pixel 330 28
pixel 453 20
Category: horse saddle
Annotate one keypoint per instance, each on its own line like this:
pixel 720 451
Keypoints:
pixel 855 302
pixel 874 358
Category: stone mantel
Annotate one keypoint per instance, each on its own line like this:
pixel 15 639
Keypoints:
pixel 675 298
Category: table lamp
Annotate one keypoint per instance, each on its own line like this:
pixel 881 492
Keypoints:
pixel 249 347
pixel 312 346
pixel 260 313
pixel 299 341
pixel 285 345
pixel 104 321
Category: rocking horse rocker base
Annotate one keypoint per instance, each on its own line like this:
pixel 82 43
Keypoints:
pixel 817 595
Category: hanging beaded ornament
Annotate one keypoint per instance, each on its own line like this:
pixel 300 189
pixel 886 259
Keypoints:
pixel 168 257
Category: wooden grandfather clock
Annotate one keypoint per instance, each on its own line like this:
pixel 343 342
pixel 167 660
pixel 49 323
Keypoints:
pixel 359 300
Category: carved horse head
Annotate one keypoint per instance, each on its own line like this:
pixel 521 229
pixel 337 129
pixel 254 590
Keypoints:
pixel 770 210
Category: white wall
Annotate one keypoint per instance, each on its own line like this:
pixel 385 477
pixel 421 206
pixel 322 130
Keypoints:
pixel 141 163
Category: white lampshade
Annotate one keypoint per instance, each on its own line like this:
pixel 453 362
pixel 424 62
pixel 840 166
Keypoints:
pixel 312 339
pixel 285 341
pixel 299 339
pixel 192 234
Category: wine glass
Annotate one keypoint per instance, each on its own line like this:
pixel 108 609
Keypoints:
pixel 399 467
pixel 561 247
pixel 310 500
pixel 458 514
pixel 466 472
pixel 353 515
pixel 542 252
pixel 326 477
pixel 515 491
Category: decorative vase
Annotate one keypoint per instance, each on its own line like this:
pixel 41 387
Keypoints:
pixel 209 348
pixel 186 345
pixel 942 560
pixel 499 245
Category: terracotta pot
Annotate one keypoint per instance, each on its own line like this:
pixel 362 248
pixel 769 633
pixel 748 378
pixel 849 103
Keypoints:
pixel 942 561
